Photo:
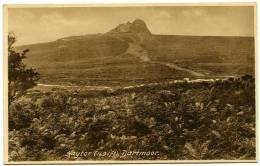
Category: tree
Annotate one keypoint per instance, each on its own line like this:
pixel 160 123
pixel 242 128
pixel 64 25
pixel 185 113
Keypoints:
pixel 20 78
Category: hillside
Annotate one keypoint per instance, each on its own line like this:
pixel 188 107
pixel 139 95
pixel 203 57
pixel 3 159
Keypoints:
pixel 209 54
pixel 131 54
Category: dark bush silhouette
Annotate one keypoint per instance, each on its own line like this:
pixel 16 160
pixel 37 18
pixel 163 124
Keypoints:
pixel 20 78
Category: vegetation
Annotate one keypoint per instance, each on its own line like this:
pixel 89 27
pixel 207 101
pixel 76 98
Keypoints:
pixel 20 78
pixel 114 118
pixel 202 121
pixel 102 58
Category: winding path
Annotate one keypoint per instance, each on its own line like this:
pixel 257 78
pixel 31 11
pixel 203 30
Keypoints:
pixel 137 50
pixel 173 66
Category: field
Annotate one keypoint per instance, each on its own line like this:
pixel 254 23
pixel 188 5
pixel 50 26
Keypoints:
pixel 122 60
pixel 199 120
pixel 218 55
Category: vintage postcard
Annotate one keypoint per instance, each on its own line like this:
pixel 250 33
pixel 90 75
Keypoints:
pixel 130 83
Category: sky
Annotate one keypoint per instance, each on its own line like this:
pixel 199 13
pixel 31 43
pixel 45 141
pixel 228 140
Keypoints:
pixel 36 25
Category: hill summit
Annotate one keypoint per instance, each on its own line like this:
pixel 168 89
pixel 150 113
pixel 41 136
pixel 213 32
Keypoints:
pixel 137 26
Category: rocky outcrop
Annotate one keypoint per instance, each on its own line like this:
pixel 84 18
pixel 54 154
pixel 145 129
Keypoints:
pixel 137 27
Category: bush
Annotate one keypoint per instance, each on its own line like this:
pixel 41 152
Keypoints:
pixel 190 121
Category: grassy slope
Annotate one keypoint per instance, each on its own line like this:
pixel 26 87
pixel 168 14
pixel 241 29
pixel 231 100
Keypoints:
pixel 100 59
pixel 212 55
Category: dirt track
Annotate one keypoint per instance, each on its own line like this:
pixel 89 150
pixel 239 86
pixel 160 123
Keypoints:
pixel 137 50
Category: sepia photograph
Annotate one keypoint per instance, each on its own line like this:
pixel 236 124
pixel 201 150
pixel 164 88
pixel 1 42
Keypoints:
pixel 130 83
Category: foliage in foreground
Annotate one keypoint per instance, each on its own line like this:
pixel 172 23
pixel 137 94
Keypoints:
pixel 181 121
pixel 20 78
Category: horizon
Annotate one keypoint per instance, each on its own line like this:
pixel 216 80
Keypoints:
pixel 41 25
pixel 152 34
